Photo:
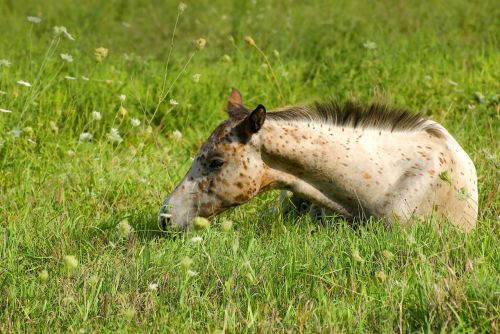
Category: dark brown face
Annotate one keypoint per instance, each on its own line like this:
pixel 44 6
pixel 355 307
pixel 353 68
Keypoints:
pixel 226 172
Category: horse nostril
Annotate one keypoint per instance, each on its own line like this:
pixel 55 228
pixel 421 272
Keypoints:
pixel 165 220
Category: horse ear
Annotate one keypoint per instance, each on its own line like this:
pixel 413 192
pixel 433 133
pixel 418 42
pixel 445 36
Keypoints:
pixel 253 122
pixel 235 107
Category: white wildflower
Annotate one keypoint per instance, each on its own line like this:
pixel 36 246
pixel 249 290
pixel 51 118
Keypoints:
pixel 122 97
pixel 182 7
pixel 86 136
pixel 114 135
pixel 96 115
pixel 67 57
pixel 173 102
pixel 70 153
pixel 479 97
pixel 153 286
pixel 16 133
pixel 53 126
pixel 196 77
pixel 191 273
pixel 177 134
pixel 196 240
pixel 62 31
pixel 369 45
pixel 5 62
pixel 7 111
pixel 69 77
pixel 135 122
pixel 34 19
pixel 24 83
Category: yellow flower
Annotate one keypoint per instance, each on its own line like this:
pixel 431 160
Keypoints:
pixel 70 262
pixel 201 43
pixel 226 225
pixel 44 275
pixel 124 228
pixel 186 262
pixel 388 255
pixel 201 223
pixel 357 257
pixel 381 276
pixel 250 40
pixel 100 53
pixel 181 7
pixel 122 111
pixel 53 126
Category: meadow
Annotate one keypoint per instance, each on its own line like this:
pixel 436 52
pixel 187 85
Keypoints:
pixel 104 103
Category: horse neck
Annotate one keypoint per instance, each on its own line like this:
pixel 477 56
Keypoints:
pixel 301 147
pixel 322 161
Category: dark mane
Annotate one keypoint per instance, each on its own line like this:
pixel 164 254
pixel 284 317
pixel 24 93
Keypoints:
pixel 355 115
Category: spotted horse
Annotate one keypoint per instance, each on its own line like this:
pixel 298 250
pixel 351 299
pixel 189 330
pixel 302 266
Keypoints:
pixel 359 161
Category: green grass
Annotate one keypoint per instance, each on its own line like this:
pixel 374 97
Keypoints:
pixel 60 196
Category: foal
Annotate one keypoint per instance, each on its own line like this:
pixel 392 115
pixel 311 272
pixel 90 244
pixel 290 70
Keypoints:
pixel 358 161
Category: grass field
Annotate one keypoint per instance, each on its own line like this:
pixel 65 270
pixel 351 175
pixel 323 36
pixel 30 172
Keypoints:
pixel 70 186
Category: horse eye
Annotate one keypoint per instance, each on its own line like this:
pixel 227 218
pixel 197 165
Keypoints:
pixel 215 163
